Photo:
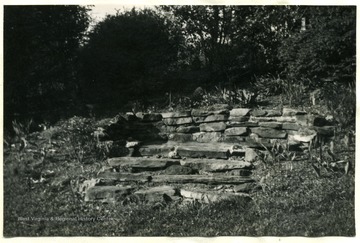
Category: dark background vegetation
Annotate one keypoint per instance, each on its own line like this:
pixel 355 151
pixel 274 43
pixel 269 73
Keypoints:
pixel 54 65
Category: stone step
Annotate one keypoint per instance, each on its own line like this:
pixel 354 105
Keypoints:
pixel 211 196
pixel 215 165
pixel 214 150
pixel 139 164
pixel 202 179
pixel 190 150
pixel 142 164
pixel 113 178
pixel 113 194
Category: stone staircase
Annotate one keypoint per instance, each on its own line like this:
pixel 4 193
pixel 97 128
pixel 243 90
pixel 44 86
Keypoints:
pixel 205 155
pixel 201 172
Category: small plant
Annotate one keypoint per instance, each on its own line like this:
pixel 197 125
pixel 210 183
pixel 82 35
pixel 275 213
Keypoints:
pixel 290 92
pixel 277 153
pixel 340 99
pixel 82 143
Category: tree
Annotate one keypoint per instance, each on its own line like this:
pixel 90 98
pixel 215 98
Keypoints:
pixel 40 47
pixel 234 43
pixel 326 50
pixel 127 56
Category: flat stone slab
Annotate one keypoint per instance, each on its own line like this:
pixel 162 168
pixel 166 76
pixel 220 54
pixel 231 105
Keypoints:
pixel 291 126
pixel 112 178
pixel 236 131
pixel 215 165
pixel 260 112
pixel 107 193
pixel 241 124
pixel 138 164
pixel 177 121
pixel 156 190
pixel 202 179
pixel 302 138
pixel 277 125
pixel 200 112
pixel 210 150
pixel 178 170
pixel 213 127
pixel 216 117
pixel 274 119
pixel 176 114
pixel 198 119
pixel 239 112
pixel 210 197
pixel 207 137
pixel 234 139
pixel 188 129
pixel 268 132
pixel 154 149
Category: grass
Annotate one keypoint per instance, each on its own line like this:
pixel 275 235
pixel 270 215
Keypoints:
pixel 294 202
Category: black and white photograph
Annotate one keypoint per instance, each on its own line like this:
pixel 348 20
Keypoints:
pixel 178 120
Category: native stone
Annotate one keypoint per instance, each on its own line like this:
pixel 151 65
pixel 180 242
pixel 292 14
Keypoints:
pixel 241 124
pixel 291 126
pixel 211 197
pixel 215 165
pixel 251 155
pixel 206 137
pixel 236 131
pixel 201 179
pixel 188 129
pixel 216 117
pixel 239 112
pixel 268 132
pixel 212 127
pixel 177 121
pixel 193 150
pixel 138 164
pixel 199 119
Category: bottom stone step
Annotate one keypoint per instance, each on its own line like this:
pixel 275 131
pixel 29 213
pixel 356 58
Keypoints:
pixel 167 194
pixel 113 178
pixel 211 197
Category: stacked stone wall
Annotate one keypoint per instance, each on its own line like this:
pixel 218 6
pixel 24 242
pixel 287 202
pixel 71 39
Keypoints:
pixel 224 124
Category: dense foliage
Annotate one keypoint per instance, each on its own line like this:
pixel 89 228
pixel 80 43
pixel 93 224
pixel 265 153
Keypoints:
pixel 40 56
pixel 155 54
pixel 127 54
pixel 325 50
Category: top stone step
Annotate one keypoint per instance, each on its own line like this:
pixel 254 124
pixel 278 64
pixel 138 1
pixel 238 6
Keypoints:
pixel 193 150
